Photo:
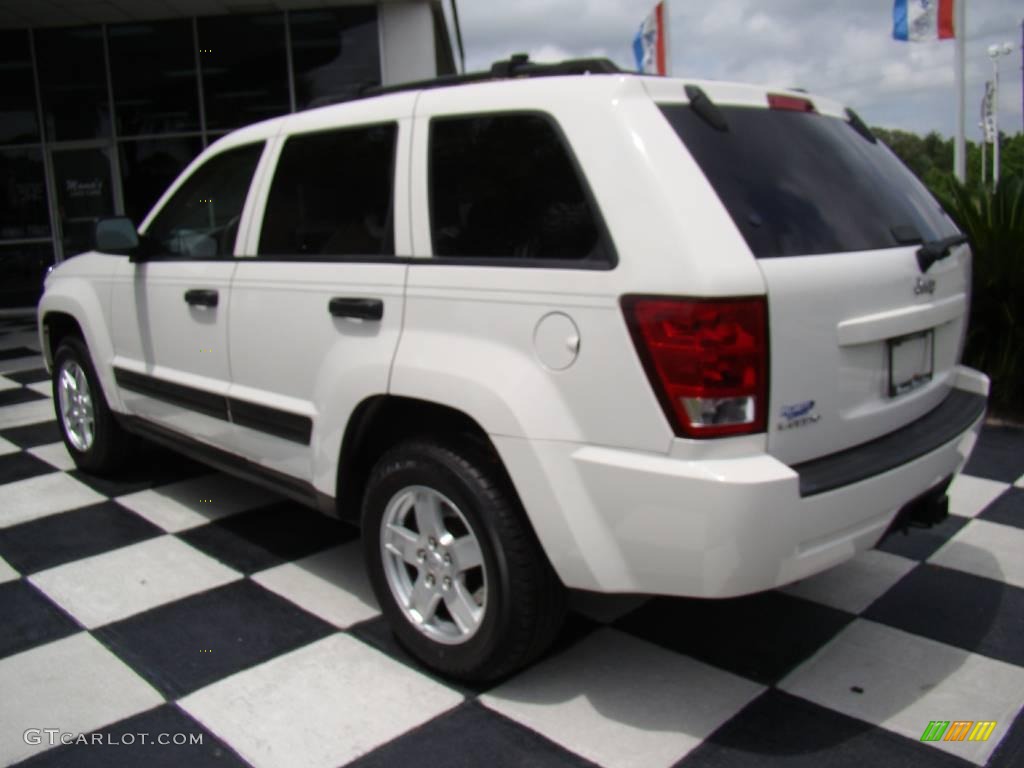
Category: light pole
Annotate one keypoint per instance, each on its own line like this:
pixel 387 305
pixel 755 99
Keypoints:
pixel 995 51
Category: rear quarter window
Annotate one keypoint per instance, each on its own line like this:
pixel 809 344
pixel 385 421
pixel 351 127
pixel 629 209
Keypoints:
pixel 798 183
pixel 506 187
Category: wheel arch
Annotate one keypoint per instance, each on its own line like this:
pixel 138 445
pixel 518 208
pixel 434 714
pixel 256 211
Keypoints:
pixel 381 421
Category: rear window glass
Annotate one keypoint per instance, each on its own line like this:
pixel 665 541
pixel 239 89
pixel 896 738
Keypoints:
pixel 799 183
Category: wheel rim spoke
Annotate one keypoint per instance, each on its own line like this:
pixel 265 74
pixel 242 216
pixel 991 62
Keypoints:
pixel 463 607
pixel 427 507
pixel 402 542
pixel 424 600
pixel 466 554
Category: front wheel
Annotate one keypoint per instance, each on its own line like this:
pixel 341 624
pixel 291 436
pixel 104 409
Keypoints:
pixel 456 568
pixel 94 439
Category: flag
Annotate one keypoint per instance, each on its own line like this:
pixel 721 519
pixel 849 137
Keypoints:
pixel 918 20
pixel 650 46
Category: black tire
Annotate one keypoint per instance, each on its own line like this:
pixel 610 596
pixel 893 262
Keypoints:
pixel 110 446
pixel 524 599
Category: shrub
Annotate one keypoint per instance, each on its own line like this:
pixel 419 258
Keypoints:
pixel 994 223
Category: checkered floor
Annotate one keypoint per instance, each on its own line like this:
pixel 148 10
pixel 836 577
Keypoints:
pixel 176 601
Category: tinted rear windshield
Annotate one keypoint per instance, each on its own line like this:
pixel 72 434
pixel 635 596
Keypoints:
pixel 799 183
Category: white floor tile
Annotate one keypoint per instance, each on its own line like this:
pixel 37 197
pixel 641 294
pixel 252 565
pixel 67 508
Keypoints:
pixel 1020 482
pixel 969 495
pixel 26 413
pixel 189 503
pixel 6 572
pixel 6 383
pixel 987 549
pixel 331 584
pixel 74 684
pixel 43 495
pixel 902 682
pixel 320 706
pixel 623 702
pixel 54 454
pixel 104 588
pixel 855 584
pixel 7 447
pixel 43 388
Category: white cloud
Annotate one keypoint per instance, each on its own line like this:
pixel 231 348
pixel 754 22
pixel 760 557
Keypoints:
pixel 841 50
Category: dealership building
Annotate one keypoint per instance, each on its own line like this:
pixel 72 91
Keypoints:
pixel 104 103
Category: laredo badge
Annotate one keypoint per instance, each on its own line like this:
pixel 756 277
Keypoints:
pixel 798 415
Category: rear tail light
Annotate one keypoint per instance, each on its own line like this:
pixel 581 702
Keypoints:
pixel 707 360
pixel 790 103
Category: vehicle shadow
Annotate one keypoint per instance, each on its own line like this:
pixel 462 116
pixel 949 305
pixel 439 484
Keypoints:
pixel 681 668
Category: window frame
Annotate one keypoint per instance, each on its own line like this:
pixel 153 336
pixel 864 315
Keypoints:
pixel 610 260
pixel 154 253
pixel 271 176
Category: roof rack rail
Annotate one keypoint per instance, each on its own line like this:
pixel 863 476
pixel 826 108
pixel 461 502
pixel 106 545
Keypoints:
pixel 516 66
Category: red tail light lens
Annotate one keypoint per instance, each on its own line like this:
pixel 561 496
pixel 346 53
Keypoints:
pixel 706 359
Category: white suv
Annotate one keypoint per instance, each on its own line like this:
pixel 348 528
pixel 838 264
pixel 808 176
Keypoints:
pixel 534 330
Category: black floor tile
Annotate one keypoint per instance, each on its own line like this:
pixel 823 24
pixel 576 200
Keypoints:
pixel 121 745
pixel 29 619
pixel 922 543
pixel 1010 752
pixel 998 455
pixel 62 538
pixel 262 538
pixel 1007 509
pixel 970 612
pixel 185 645
pixel 21 466
pixel 33 435
pixel 777 729
pixel 16 352
pixel 17 395
pixel 471 735
pixel 761 637
pixel 31 376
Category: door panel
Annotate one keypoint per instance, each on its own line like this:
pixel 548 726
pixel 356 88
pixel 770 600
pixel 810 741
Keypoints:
pixel 170 312
pixel 315 317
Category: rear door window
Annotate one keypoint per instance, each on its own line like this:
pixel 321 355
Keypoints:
pixel 505 186
pixel 332 195
pixel 802 183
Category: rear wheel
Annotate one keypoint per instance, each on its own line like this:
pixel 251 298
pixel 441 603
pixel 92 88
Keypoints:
pixel 93 438
pixel 454 564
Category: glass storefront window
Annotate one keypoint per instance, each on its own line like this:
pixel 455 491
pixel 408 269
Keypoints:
pixel 18 123
pixel 153 73
pixel 23 267
pixel 84 195
pixel 148 167
pixel 73 82
pixel 244 67
pixel 23 206
pixel 335 52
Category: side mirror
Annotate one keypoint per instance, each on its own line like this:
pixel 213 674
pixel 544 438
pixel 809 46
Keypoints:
pixel 116 235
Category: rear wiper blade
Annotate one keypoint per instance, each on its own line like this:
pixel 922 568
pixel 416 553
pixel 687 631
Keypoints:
pixel 935 250
pixel 705 108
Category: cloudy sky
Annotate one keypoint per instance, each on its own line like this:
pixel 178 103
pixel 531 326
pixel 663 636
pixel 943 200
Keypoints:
pixel 843 50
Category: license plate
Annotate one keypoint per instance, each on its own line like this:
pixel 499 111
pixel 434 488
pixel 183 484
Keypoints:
pixel 911 362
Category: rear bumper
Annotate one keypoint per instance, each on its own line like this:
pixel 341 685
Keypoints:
pixel 621 521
